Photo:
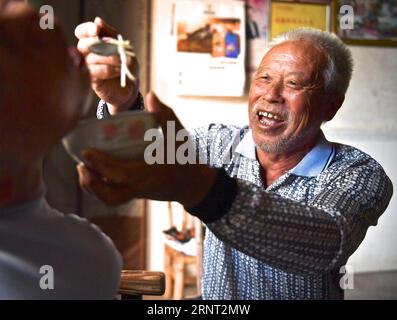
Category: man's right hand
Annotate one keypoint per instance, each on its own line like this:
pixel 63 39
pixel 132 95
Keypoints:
pixel 105 71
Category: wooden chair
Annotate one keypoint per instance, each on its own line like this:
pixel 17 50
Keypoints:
pixel 177 262
pixel 127 233
pixel 135 284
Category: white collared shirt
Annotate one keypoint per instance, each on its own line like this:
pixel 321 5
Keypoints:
pixel 45 254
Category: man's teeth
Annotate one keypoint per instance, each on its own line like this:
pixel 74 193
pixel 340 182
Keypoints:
pixel 269 115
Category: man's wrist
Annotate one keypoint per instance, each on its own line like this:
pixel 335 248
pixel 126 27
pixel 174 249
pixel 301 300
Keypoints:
pixel 218 200
pixel 125 106
pixel 201 177
pixel 136 103
pixel 106 110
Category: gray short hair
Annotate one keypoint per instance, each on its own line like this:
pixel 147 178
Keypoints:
pixel 339 68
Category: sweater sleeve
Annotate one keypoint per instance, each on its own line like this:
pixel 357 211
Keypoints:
pixel 299 237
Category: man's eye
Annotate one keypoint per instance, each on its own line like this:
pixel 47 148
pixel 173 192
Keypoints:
pixel 293 84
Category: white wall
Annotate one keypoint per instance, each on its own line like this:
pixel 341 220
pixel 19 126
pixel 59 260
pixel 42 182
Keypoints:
pixel 368 120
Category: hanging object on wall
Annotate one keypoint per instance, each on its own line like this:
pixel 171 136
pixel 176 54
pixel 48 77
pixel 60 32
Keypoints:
pixel 257 31
pixel 210 47
pixel 286 15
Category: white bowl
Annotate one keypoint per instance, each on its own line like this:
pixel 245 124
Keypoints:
pixel 121 136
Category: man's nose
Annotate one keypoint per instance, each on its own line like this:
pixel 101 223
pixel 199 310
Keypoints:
pixel 274 93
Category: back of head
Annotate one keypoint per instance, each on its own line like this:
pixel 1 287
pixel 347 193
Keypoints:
pixel 339 67
pixel 42 90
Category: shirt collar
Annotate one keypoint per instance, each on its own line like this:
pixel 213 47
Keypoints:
pixel 31 207
pixel 313 163
pixel 247 147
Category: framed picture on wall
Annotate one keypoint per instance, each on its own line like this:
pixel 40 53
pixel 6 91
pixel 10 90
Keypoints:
pixel 287 15
pixel 210 46
pixel 367 22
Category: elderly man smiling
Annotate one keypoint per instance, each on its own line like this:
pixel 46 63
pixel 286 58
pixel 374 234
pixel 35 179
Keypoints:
pixel 284 215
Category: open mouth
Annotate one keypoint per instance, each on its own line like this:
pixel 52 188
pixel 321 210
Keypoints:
pixel 270 120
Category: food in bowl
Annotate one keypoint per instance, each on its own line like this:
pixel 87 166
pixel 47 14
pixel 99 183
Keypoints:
pixel 121 136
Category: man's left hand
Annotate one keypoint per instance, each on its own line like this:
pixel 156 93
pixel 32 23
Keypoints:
pixel 117 181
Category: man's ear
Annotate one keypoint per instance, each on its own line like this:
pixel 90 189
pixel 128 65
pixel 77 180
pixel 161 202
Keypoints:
pixel 334 102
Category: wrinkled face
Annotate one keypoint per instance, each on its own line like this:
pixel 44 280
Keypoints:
pixel 286 99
